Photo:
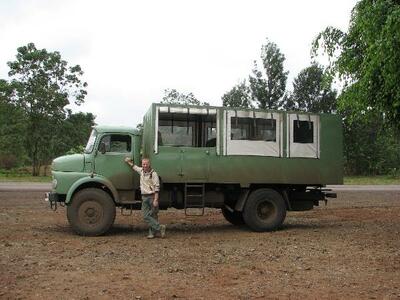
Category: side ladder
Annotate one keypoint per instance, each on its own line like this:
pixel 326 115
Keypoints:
pixel 194 198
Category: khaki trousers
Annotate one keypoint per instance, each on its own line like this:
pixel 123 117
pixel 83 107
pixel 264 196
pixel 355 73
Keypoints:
pixel 150 213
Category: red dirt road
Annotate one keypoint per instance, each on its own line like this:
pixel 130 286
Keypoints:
pixel 348 249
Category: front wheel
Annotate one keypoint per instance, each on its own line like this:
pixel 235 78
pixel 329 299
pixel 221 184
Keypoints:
pixel 92 212
pixel 265 210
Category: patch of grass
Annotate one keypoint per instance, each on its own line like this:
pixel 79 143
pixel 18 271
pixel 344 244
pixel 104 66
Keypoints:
pixel 24 178
pixel 372 180
pixel 23 174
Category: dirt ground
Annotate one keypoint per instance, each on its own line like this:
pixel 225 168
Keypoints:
pixel 348 249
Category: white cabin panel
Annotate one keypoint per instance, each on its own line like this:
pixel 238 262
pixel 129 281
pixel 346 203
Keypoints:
pixel 304 135
pixel 253 133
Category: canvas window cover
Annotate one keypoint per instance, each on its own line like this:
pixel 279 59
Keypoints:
pixel 303 135
pixel 253 133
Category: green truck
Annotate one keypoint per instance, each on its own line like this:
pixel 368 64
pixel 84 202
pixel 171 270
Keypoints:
pixel 254 165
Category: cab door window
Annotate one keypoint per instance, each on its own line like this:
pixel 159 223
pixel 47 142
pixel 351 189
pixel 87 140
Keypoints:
pixel 117 143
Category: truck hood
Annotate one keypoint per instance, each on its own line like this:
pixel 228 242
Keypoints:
pixel 69 163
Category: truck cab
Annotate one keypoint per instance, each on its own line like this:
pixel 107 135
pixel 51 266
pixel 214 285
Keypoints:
pixel 100 170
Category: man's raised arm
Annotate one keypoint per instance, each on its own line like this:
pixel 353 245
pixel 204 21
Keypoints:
pixel 130 162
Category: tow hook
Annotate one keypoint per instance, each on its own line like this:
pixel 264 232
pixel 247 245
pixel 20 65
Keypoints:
pixel 52 201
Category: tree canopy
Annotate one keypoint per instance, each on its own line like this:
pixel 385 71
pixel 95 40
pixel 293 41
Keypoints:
pixel 311 92
pixel 172 96
pixel 367 58
pixel 12 128
pixel 238 96
pixel 42 85
pixel 268 85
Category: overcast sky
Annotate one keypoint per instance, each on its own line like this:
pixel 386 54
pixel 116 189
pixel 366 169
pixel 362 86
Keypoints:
pixel 131 51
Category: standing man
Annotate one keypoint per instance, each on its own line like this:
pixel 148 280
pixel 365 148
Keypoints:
pixel 150 188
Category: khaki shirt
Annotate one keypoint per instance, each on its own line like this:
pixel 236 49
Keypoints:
pixel 149 181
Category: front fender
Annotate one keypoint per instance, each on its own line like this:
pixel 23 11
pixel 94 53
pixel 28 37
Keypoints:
pixel 95 179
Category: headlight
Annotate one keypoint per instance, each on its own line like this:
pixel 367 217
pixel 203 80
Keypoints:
pixel 54 183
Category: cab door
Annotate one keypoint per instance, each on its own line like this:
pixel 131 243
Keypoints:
pixel 111 164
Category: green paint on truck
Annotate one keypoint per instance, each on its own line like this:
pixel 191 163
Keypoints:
pixel 253 164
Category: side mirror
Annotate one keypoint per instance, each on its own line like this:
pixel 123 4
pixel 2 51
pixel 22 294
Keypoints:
pixel 102 148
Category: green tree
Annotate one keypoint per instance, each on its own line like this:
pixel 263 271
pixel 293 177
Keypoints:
pixel 371 147
pixel 238 96
pixel 287 102
pixel 43 86
pixel 62 141
pixel 312 92
pixel 81 124
pixel 172 96
pixel 12 129
pixel 267 86
pixel 367 58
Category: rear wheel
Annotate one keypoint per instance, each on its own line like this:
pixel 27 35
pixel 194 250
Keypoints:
pixel 233 217
pixel 92 212
pixel 265 210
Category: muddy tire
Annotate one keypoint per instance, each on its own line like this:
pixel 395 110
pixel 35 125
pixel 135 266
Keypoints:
pixel 91 213
pixel 265 210
pixel 235 217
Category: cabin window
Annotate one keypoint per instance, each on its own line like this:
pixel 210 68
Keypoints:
pixel 186 130
pixel 210 134
pixel 253 133
pixel 253 129
pixel 175 132
pixel 117 143
pixel 303 132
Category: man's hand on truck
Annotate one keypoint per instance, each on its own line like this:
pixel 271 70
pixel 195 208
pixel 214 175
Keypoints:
pixel 129 161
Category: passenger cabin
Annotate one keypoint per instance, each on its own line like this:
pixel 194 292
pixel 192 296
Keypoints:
pixel 225 145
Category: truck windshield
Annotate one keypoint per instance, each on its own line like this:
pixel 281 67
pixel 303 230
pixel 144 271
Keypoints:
pixel 90 143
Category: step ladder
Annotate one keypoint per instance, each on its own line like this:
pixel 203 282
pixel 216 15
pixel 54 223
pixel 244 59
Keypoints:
pixel 194 199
